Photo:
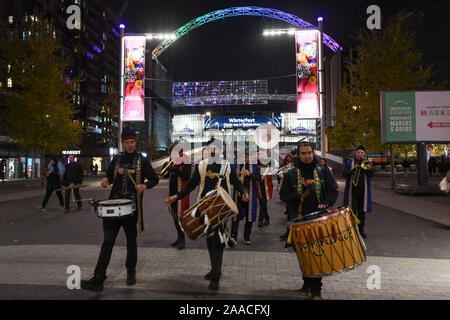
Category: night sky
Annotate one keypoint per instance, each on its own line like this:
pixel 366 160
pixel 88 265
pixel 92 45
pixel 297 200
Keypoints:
pixel 235 49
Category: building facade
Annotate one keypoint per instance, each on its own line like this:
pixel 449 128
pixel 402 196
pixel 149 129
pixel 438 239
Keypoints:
pixel 94 49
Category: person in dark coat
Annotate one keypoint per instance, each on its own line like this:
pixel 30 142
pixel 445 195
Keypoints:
pixel 179 174
pixel 250 177
pixel 358 193
pixel 73 174
pixel 306 189
pixel 127 172
pixel 53 183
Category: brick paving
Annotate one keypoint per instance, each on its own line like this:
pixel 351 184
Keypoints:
pixel 266 274
pixel 245 272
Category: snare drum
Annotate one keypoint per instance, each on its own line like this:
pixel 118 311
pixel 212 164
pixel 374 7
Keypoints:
pixel 327 244
pixel 206 215
pixel 114 208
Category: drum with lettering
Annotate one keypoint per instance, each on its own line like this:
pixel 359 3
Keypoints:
pixel 327 244
pixel 208 213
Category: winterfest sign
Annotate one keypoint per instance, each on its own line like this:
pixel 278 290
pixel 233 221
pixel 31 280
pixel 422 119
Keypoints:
pixel 415 116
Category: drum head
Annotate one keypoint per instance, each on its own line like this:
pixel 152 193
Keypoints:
pixel 300 221
pixel 114 202
pixel 228 200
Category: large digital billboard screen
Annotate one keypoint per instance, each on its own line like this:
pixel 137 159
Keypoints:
pixel 307 84
pixel 134 74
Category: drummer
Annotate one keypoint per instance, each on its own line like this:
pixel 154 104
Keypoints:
pixel 127 184
pixel 306 189
pixel 206 174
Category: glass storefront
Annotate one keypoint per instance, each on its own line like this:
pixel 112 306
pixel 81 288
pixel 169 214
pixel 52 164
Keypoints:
pixel 98 162
pixel 20 168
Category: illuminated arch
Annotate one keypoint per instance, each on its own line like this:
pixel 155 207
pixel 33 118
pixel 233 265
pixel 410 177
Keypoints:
pixel 241 11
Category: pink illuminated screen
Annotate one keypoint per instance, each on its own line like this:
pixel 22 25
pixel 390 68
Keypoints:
pixel 307 84
pixel 133 107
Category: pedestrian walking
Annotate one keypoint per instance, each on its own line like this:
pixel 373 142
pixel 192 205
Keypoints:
pixel 2 170
pixel 73 175
pixel 406 165
pixel 53 183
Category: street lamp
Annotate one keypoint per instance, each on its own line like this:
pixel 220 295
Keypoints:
pixel 121 81
pixel 161 36
pixel 148 36
pixel 320 74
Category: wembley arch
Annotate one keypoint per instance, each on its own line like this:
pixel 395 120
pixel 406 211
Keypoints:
pixel 241 11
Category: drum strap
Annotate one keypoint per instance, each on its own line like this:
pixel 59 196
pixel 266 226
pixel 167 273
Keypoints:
pixel 139 195
pixel 204 164
pixel 318 184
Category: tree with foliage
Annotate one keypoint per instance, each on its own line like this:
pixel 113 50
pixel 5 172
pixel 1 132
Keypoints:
pixel 37 108
pixel 385 60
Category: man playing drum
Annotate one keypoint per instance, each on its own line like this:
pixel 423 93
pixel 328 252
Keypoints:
pixel 308 189
pixel 206 174
pixel 127 173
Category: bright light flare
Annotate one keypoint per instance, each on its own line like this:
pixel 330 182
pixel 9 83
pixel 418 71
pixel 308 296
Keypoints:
pixel 278 32
pixel 161 36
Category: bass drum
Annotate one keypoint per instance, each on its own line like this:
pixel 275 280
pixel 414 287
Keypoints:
pixel 328 244
pixel 206 215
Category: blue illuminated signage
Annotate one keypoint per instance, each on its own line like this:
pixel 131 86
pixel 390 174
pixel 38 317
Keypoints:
pixel 240 122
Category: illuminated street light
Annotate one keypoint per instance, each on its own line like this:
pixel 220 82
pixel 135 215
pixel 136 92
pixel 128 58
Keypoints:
pixel 277 32
pixel 161 36
pixel 291 31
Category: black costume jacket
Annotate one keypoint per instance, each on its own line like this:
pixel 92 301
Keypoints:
pixel 139 168
pixel 290 194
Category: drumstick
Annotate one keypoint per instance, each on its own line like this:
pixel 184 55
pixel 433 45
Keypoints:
pixel 76 186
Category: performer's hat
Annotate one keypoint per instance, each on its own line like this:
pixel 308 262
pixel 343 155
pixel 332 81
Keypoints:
pixel 128 133
pixel 361 147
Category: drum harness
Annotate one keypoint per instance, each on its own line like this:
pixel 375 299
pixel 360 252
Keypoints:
pixel 319 184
